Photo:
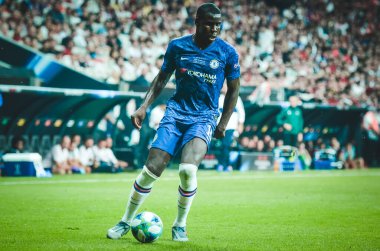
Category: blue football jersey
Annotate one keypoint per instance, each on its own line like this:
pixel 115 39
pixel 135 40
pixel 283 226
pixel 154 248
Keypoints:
pixel 199 74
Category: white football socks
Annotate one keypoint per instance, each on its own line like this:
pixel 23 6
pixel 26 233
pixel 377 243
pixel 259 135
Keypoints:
pixel 186 192
pixel 140 190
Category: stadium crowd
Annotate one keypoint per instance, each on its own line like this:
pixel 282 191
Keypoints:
pixel 349 155
pixel 77 154
pixel 73 154
pixel 326 51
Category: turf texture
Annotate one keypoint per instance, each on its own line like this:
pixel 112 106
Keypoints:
pixel 313 210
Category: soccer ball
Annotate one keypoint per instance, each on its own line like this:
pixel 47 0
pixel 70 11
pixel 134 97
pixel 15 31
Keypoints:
pixel 147 227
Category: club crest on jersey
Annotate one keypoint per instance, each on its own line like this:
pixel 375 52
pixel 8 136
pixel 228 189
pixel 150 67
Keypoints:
pixel 214 64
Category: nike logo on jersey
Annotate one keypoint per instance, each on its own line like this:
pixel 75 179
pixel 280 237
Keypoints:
pixel 184 58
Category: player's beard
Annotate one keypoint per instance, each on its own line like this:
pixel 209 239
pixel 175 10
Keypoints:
pixel 210 36
pixel 213 35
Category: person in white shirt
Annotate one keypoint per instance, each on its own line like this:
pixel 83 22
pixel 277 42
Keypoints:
pixel 87 154
pixel 120 163
pixel 106 160
pixel 147 133
pixel 57 158
pixel 234 128
pixel 74 160
pixel 156 116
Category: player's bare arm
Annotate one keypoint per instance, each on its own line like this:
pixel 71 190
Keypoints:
pixel 230 100
pixel 158 84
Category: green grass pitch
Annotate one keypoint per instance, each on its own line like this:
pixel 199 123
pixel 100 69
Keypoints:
pixel 314 210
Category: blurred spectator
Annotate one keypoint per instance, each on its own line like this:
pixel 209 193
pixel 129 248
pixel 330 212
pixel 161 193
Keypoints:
pixel 320 53
pixel 49 47
pixel 280 143
pixel 304 157
pixel 147 133
pixel 350 158
pixel 110 123
pixel 76 139
pixel 334 144
pixel 271 146
pixel 323 54
pixel 17 145
pixel 56 13
pixel 260 146
pixel 371 121
pixel 234 128
pixel 120 163
pixel 57 158
pixel 261 95
pixel 105 159
pixel 74 160
pixel 86 153
pixel 292 121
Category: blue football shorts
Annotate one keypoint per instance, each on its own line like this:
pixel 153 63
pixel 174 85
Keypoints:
pixel 173 134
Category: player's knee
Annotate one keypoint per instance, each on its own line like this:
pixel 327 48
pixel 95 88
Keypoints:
pixel 156 165
pixel 155 169
pixel 194 151
pixel 146 172
pixel 194 158
pixel 188 176
pixel 187 171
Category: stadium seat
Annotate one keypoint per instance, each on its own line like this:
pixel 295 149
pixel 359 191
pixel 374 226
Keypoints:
pixel 35 144
pixel 45 145
pixel 3 142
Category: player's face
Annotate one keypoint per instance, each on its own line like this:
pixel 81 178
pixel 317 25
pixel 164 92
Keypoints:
pixel 208 27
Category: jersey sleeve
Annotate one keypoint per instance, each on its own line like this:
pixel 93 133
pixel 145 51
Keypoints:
pixel 168 65
pixel 233 67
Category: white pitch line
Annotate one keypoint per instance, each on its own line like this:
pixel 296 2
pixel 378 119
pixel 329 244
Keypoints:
pixel 215 177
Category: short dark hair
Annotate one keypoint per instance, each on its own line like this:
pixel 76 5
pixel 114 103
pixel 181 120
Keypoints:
pixel 207 8
pixel 87 137
pixel 17 139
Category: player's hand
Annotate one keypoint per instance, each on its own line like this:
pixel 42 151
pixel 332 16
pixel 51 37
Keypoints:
pixel 219 132
pixel 138 117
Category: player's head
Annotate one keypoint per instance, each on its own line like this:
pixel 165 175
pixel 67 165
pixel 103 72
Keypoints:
pixel 208 22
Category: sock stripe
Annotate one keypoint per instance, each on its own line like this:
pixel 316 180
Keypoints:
pixel 184 208
pixel 133 203
pixel 140 189
pixel 186 193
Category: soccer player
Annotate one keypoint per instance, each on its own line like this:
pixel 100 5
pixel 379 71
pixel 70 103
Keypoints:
pixel 201 61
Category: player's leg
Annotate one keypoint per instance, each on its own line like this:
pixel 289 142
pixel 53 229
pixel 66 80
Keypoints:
pixel 163 147
pixel 155 165
pixel 192 155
